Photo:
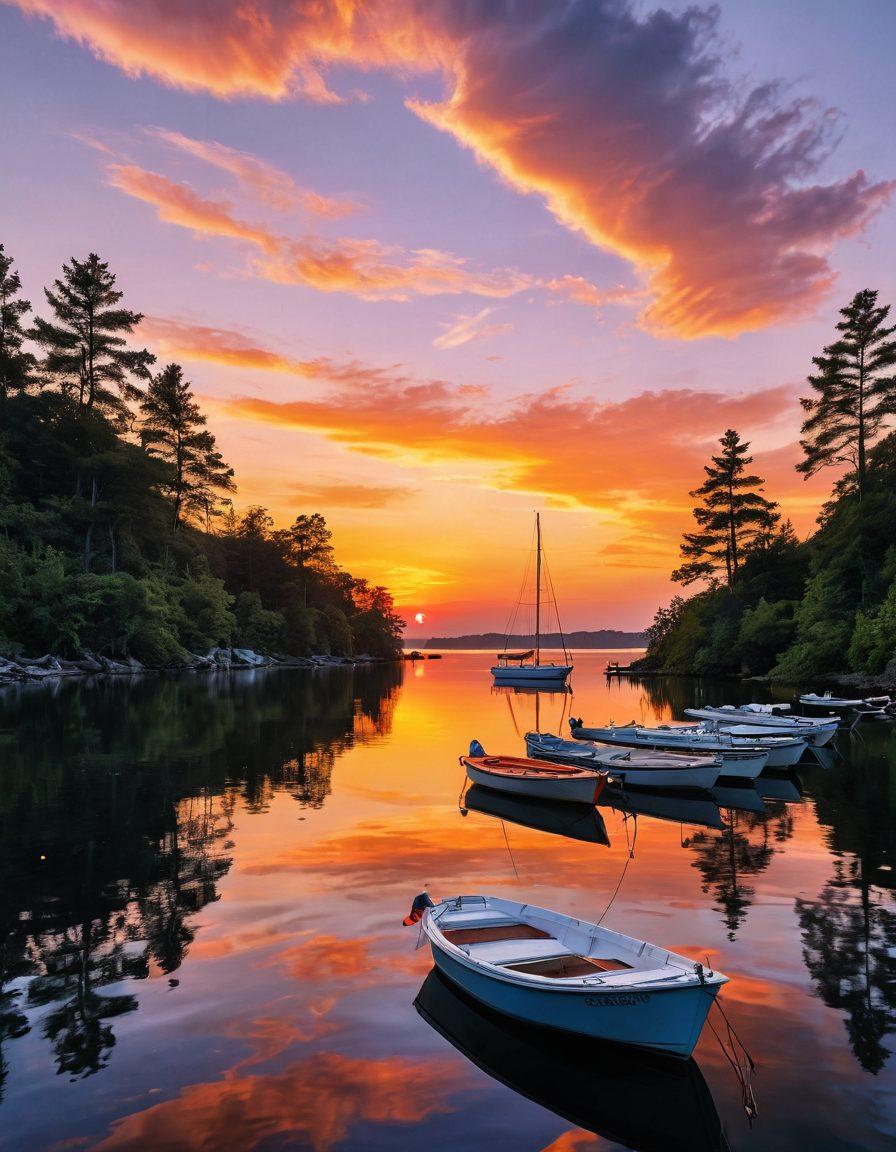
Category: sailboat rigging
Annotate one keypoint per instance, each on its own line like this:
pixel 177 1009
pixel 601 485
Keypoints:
pixel 526 668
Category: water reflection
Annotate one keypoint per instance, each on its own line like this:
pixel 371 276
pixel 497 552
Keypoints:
pixel 115 833
pixel 575 821
pixel 201 881
pixel 644 1102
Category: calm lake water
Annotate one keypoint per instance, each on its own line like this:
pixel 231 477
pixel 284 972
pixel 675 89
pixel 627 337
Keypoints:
pixel 202 882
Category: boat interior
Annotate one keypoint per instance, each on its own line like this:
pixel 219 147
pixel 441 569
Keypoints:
pixel 555 948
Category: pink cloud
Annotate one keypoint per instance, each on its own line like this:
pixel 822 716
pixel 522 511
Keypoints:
pixel 632 134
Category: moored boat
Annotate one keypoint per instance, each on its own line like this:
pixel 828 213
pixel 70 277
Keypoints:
pixel 634 768
pixel 587 1083
pixel 783 751
pixel 527 669
pixel 742 761
pixel 522 776
pixel 870 705
pixel 549 969
pixel 817 731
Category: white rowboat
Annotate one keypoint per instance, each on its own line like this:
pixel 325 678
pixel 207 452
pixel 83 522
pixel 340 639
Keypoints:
pixel 739 761
pixel 523 777
pixel 550 969
pixel 814 730
pixel 633 768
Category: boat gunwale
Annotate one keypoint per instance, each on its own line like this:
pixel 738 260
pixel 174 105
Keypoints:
pixel 686 978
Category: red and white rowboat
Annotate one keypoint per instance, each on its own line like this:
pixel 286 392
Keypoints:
pixel 523 777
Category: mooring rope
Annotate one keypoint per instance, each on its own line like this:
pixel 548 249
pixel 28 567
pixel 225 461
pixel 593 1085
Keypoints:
pixel 629 857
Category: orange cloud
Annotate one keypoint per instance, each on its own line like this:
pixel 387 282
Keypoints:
pixel 544 443
pixel 317 1101
pixel 343 494
pixel 364 268
pixel 632 136
pixel 272 185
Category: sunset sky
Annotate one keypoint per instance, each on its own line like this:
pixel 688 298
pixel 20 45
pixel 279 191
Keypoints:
pixel 431 266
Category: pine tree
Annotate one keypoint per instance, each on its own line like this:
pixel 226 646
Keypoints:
pixel 174 429
pixel 308 545
pixel 855 391
pixel 85 347
pixel 733 515
pixel 15 365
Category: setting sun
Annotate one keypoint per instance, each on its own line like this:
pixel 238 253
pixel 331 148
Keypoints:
pixel 420 617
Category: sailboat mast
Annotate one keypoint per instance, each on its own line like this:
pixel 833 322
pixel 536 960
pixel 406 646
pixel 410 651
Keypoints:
pixel 538 590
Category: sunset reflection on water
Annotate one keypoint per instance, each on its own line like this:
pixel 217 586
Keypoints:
pixel 210 953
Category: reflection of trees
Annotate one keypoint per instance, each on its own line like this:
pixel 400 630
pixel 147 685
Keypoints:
pixel 116 804
pixel 849 932
pixel 849 946
pixel 743 848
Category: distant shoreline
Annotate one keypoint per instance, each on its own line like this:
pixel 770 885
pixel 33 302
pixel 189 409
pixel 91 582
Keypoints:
pixel 605 639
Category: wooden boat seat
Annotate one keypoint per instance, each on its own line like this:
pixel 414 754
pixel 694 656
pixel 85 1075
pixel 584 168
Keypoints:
pixel 489 935
pixel 566 967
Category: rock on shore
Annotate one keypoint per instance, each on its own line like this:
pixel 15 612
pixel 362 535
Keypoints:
pixel 45 668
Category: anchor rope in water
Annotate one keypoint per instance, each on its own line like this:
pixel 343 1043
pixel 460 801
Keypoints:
pixel 629 857
pixel 732 1053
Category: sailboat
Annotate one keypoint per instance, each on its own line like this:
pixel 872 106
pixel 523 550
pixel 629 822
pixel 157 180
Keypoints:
pixel 519 669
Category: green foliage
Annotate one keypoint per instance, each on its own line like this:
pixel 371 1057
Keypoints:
pixel 85 344
pixel 824 625
pixel 733 516
pixel 854 392
pixel 174 430
pixel 766 631
pixel 111 543
pixel 258 627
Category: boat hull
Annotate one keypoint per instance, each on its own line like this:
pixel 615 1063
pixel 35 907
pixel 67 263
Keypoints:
pixel 547 674
pixel 700 777
pixel 661 1020
pixel 736 763
pixel 815 732
pixel 579 789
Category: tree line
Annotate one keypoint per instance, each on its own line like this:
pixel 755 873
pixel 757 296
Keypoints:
pixel 770 603
pixel 118 532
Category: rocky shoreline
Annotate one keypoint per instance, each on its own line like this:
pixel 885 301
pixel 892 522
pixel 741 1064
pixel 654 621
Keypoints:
pixel 49 668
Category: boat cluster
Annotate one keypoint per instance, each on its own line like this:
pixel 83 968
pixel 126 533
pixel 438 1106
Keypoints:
pixel 550 969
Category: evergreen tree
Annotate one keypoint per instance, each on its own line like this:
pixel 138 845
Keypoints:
pixel 308 545
pixel 733 515
pixel 855 391
pixel 174 428
pixel 15 365
pixel 84 344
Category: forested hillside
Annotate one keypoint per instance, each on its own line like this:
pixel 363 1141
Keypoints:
pixel 770 603
pixel 117 529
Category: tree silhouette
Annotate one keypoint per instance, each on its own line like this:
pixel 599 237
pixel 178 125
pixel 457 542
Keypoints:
pixel 725 858
pixel 849 942
pixel 16 366
pixel 733 515
pixel 855 391
pixel 85 346
pixel 174 428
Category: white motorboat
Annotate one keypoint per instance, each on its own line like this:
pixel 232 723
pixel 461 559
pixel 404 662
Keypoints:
pixel 783 751
pixel 814 730
pixel 524 777
pixel 632 768
pixel 527 669
pixel 546 968
pixel 869 705
pixel 743 761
